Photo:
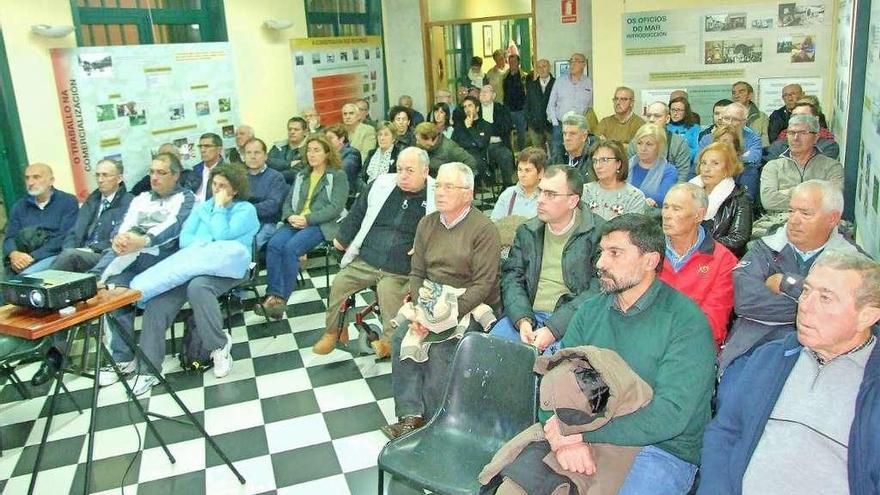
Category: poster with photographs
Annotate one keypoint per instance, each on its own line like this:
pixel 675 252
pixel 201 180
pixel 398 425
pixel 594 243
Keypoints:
pixel 867 205
pixel 124 102
pixel 725 22
pixel 801 14
pixel 329 72
pixel 839 112
pixel 738 51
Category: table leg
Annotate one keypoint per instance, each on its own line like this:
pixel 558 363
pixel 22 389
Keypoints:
pixel 58 378
pixel 99 335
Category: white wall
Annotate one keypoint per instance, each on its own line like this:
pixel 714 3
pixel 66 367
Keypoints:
pixel 557 41
pixel 404 53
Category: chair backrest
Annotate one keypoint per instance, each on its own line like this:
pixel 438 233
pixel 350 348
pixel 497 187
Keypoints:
pixel 492 390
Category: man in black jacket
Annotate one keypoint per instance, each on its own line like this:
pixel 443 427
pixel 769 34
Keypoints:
pixel 515 98
pixel 498 116
pixel 537 93
pixel 550 269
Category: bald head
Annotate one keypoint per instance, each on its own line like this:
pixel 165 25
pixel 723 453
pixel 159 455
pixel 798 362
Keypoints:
pixel 243 134
pixel 38 179
pixel 791 94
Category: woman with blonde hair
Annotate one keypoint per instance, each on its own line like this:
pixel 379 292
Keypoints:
pixel 648 168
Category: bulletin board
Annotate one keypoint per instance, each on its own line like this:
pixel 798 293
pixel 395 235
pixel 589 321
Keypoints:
pixel 702 48
pixel 330 72
pixel 867 207
pixel 839 110
pixel 123 102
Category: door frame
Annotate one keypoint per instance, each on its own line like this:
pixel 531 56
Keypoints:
pixel 13 153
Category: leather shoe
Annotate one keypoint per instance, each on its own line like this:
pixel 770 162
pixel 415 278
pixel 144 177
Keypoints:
pixel 406 425
pixel 49 368
pixel 271 307
pixel 382 348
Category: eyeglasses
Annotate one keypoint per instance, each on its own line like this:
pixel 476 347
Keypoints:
pixel 551 195
pixel 616 99
pixel 603 160
pixel 443 186
pixel 798 134
pixel 676 110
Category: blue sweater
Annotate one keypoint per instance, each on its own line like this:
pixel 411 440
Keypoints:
pixel 208 223
pixel 731 438
pixel 691 136
pixel 58 216
pixel 267 191
pixel 637 175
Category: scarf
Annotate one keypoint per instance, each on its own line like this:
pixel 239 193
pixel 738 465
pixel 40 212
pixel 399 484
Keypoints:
pixel 652 181
pixel 717 196
pixel 379 164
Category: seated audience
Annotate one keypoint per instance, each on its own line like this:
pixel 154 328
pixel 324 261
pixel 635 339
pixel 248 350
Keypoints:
pixel 695 264
pixel 226 216
pixel 730 135
pixel 243 134
pixel 648 169
pixel 363 105
pixel 148 234
pixel 361 136
pixel 400 117
pixel 683 121
pixel 473 136
pixel 376 236
pixel 778 121
pixel 522 199
pixel 288 157
pixel 381 160
pixel 742 92
pixel 717 114
pixel 455 246
pixel 538 90
pixel 266 190
pixel 576 143
pixel 802 416
pixel 728 217
pixel 610 194
pixel 735 116
pixel 497 115
pixel 350 157
pixel 826 144
pixel 549 271
pixel 661 335
pixel 440 149
pixel 441 117
pixel 623 124
pixel 309 215
pixel 676 148
pixel 416 117
pixel 38 223
pixel 769 279
pixel 188 179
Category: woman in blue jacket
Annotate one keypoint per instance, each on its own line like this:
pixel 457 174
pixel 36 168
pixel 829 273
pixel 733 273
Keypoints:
pixel 684 122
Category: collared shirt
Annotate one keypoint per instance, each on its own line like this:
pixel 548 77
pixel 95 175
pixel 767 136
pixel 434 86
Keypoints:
pixel 677 261
pixel 804 255
pixel 451 225
pixel 544 81
pixel 568 227
pixel 641 304
pixel 569 96
pixel 206 177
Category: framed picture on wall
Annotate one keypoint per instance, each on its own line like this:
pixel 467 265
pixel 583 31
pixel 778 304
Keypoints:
pixel 487 41
pixel 561 68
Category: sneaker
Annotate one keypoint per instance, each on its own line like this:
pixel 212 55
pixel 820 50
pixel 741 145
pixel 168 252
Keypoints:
pixel 141 383
pixel 222 359
pixel 107 376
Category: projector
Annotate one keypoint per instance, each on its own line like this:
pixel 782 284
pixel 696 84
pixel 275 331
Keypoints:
pixel 49 289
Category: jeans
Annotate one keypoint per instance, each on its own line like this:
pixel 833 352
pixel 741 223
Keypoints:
pixel 76 260
pixel 38 266
pixel 657 472
pixel 504 328
pixel 750 178
pixel 267 230
pixel 282 257
pixel 519 123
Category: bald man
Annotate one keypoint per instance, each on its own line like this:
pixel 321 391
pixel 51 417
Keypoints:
pixel 791 93
pixel 38 223
pixel 243 134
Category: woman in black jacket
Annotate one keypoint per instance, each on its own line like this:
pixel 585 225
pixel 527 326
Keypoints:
pixel 729 215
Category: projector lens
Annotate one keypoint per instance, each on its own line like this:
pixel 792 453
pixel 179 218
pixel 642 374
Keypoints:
pixel 36 298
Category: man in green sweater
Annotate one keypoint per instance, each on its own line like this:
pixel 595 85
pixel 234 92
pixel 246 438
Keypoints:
pixel 665 338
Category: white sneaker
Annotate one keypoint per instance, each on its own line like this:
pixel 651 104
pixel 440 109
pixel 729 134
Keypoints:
pixel 141 383
pixel 222 359
pixel 107 376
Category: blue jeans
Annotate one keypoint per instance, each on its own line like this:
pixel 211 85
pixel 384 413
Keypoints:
pixel 750 178
pixel 38 266
pixel 267 230
pixel 282 257
pixel 657 472
pixel 504 328
pixel 519 123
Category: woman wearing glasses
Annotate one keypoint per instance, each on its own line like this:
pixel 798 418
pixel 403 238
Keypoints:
pixel 608 194
pixel 310 215
pixel 648 168
pixel 685 123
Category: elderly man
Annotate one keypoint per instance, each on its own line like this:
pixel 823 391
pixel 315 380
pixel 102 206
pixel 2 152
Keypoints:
pixel 360 136
pixel 211 150
pixel 440 148
pixel 363 105
pixel 778 121
pixel 455 246
pixel 576 143
pixel 677 151
pixel 266 189
pixel 416 118
pixel 769 279
pixel 538 90
pixel 148 234
pixel 735 116
pixel 803 415
pixel 623 125
pixel 243 134
pixel 695 264
pixel 664 337
pixel 313 118
pixel 495 76
pixel 742 92
pixel 825 143
pixel 376 236
pixel 498 117
pixel 515 98
pixel 38 223
pixel 549 272
pixel 573 93
pixel 287 158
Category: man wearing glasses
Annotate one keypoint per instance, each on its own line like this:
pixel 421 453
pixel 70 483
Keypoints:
pixel 623 125
pixel 735 115
pixel 678 152
pixel 549 271
pixel 211 149
pixel 573 93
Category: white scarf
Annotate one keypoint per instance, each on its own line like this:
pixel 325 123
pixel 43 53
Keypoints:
pixel 717 196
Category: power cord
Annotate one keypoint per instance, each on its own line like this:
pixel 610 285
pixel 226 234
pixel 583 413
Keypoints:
pixel 137 432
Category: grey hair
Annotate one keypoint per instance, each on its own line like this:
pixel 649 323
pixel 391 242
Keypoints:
pixel 576 119
pixel 627 89
pixel 662 104
pixel 466 173
pixel 739 107
pixel 419 153
pixel 698 194
pixel 811 121
pixel 116 164
pixel 868 292
pixel 832 196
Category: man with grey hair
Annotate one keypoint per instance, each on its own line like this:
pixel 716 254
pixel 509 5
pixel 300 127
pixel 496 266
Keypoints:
pixel 769 278
pixel 678 152
pixel 243 134
pixel 376 237
pixel 735 115
pixel 623 124
pixel 804 410
pixel 695 264
pixel 361 136
pixel 458 247
pixel 538 89
pixel 576 144
pixel 571 93
pixel 743 93
pixel 778 120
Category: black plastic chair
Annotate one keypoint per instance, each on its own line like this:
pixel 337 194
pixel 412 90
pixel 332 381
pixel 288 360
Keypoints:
pixel 491 397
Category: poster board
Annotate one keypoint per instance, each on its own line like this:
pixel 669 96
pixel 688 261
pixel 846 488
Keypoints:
pixel 330 72
pixel 867 204
pixel 712 46
pixel 839 110
pixel 769 90
pixel 123 102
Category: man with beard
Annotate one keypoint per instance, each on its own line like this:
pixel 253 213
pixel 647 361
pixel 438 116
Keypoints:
pixel 665 338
